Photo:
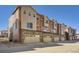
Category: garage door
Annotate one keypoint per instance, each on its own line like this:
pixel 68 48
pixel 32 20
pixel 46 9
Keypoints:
pixel 47 38
pixel 71 37
pixel 62 39
pixel 32 39
pixel 56 38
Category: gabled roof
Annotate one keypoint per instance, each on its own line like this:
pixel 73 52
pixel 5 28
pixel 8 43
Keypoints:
pixel 19 6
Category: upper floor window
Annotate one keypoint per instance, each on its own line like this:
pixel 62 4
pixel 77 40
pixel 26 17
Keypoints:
pixel 24 12
pixel 37 18
pixel 16 25
pixel 55 25
pixel 33 15
pixel 29 25
pixel 45 28
pixel 46 21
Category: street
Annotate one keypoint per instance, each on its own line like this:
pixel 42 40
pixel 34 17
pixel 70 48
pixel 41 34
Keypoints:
pixel 51 47
pixel 67 47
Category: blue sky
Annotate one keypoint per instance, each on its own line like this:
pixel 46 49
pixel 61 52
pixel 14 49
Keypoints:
pixel 68 15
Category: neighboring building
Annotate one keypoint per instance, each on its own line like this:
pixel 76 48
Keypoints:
pixel 4 33
pixel 4 36
pixel 28 26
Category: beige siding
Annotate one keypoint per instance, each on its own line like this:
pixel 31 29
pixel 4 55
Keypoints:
pixel 25 18
pixel 11 24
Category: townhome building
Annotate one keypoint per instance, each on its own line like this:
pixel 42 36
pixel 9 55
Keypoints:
pixel 22 19
pixel 28 26
pixel 25 25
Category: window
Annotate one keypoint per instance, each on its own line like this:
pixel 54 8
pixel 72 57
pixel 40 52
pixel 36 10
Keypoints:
pixel 45 28
pixel 16 24
pixel 24 12
pixel 33 15
pixel 46 21
pixel 37 18
pixel 29 25
pixel 62 30
pixel 55 25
